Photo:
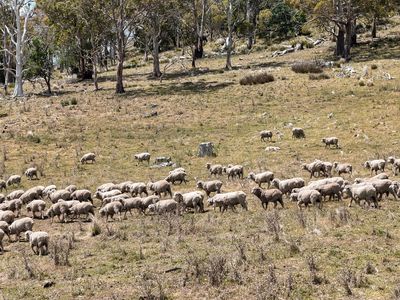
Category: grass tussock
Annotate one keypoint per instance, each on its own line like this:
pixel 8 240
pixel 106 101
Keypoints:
pixel 259 78
pixel 321 76
pixel 306 67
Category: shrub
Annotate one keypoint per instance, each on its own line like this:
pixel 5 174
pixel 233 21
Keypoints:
pixel 64 103
pixel 305 67
pixel 374 67
pixel 259 78
pixel 321 76
pixel 74 101
pixel 95 228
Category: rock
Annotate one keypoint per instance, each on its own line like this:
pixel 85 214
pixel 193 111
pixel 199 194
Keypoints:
pixel 317 231
pixel 48 283
pixel 272 149
pixel 206 149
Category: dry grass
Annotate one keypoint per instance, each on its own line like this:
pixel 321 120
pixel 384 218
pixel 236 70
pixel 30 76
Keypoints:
pixel 258 78
pixel 305 67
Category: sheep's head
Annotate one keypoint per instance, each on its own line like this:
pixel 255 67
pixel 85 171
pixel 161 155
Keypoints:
pixel 367 165
pixel 28 234
pixel 293 196
pixel 256 191
pixel 210 201
pixel 178 197
pixel 304 166
pixel 323 140
pixel 152 208
pixel 208 166
pixel 275 182
pixel 102 212
pixel 390 159
pixel 49 212
pixel 200 184
pixel 251 176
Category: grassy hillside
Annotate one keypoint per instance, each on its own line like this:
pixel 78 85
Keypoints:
pixel 278 254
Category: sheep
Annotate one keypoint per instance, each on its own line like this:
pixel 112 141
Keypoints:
pixel 106 187
pixel 13 205
pixel 48 190
pixel 88 157
pixel 145 202
pixel 2 234
pixel 375 165
pixel 145 156
pixel 379 176
pixel 132 203
pixel 60 194
pixel 83 208
pixel 307 197
pixel 159 187
pixel 330 141
pixel 330 189
pixel 231 199
pixel 71 188
pixel 287 185
pixel 138 188
pixel 266 134
pixel 190 200
pixel 260 178
pixel 266 196
pixel 36 206
pixel 164 206
pixel 14 180
pixel 3 185
pixel 314 167
pixel 39 242
pixel 2 198
pixel 7 216
pixel 69 203
pixel 4 226
pixel 31 194
pixel 210 186
pixel 19 226
pixel 298 133
pixel 15 194
pixel 60 209
pixel 177 170
pixel 31 172
pixel 82 196
pixel 343 168
pixel 395 164
pixel 234 171
pixel 110 209
pixel 177 176
pixel 124 187
pixel 358 192
pixel 214 169
pixel 383 186
pixel 108 194
pixel 327 168
pixel 114 198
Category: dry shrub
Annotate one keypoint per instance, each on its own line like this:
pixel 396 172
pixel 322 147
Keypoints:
pixel 259 78
pixel 60 249
pixel 273 225
pixel 151 287
pixel 321 76
pixel 305 67
pixel 216 270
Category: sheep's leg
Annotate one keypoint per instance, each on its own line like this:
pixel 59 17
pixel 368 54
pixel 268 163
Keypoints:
pixel 281 202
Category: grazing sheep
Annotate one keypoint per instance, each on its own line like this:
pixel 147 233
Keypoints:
pixel 298 133
pixel 15 194
pixel 7 216
pixel 363 191
pixel 379 176
pixel 143 157
pixel 69 203
pixel 395 164
pixel 39 242
pixel 260 178
pixel 83 208
pixel 3 185
pixel 48 190
pixel 88 157
pixel 36 206
pixel 19 226
pixel 106 187
pixel 124 187
pixel 266 134
pixel 31 194
pixel 210 186
pixel 114 198
pixel 177 176
pixel 231 199
pixel 265 196
pixel 214 169
pixel 14 180
pixel 132 203
pixel 2 234
pixel 375 165
pixel 177 170
pixel 138 188
pixel 60 194
pixel 190 200
pixel 111 209
pixel 164 206
pixel 286 186
pixel 383 186
pixel 308 197
pixel 4 226
pixel 330 141
pixel 330 189
pixel 327 168
pixel 82 195
pixel 316 167
pixel 159 187
pixel 13 205
pixel 31 172
pixel 343 168
pixel 112 193
pixel 71 188
pixel 60 209
pixel 234 171
pixel 145 202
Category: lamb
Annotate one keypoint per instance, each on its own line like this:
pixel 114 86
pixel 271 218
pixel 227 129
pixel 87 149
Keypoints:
pixel 71 188
pixel 330 141
pixel 330 189
pixel 266 134
pixel 145 202
pixel 39 242
pixel 359 192
pixel 82 196
pixel 4 226
pixel 15 194
pixel 19 226
pixel 3 185
pixel 60 194
pixel 145 156
pixel 83 208
pixel 138 188
pixel 48 190
pixel 60 209
pixel 210 186
pixel 177 176
pixel 375 165
pixel 13 205
pixel 108 194
pixel 234 171
pixel 308 197
pixel 159 187
pixel 316 167
pixel 165 206
pixel 214 169
pixel 111 209
pixel 298 133
pixel 36 206
pixel 7 216
pixel 260 178
pixel 31 172
pixel 287 185
pixel 343 168
pixel 88 157
pixel 2 234
pixel 132 203
pixel 395 164
pixel 265 196
pixel 230 199
pixel 14 180
pixel 190 200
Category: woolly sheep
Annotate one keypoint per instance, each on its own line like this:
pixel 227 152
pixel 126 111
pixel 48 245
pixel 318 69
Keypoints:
pixel 15 194
pixel 82 195
pixel 265 196
pixel 2 234
pixel 132 203
pixel 266 134
pixel 327 168
pixel 124 187
pixel 214 169
pixel 298 133
pixel 4 226
pixel 330 189
pixel 48 190
pixel 19 226
pixel 114 198
pixel 287 185
pixel 383 186
pixel 210 186
pixel 316 167
pixel 190 200
pixel 14 180
pixel 60 209
pixel 330 141
pixel 164 206
pixel 234 171
pixel 177 176
pixel 36 206
pixel 3 185
pixel 88 157
pixel 227 200
pixel 177 170
pixel 375 165
pixel 71 188
pixel 395 164
pixel 103 195
pixel 31 194
pixel 69 203
pixel 145 202
pixel 260 178
pixel 106 187
pixel 60 194
pixel 344 168
pixel 13 205
pixel 7 216
pixel 111 209
pixel 379 176
pixel 31 172
pixel 83 208
pixel 138 188
pixel 159 187
pixel 359 192
pixel 308 197
pixel 39 241
pixel 145 156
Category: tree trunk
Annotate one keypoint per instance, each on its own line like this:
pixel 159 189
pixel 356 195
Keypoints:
pixel 156 57
pixel 229 41
pixel 198 51
pixel 348 40
pixel 340 43
pixel 5 62
pixel 354 33
pixel 121 52
pixel 374 28
pixel 251 18
pixel 18 89
pixel 48 81
pixel 95 63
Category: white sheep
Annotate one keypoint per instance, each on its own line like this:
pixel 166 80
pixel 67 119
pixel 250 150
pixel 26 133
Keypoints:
pixel 60 194
pixel 138 188
pixel 60 209
pixel 260 178
pixel 31 194
pixel 316 168
pixel 88 157
pixel 114 198
pixel 177 176
pixel 395 164
pixel 145 156
pixel 15 194
pixel 234 171
pixel 132 203
pixel 330 141
pixel 210 186
pixel 48 190
pixel 7 216
pixel 71 188
pixel 286 186
pixel 82 195
pixel 266 134
pixel 229 200
pixel 19 226
pixel 363 191
pixel 164 206
pixel 375 165
pixel 214 169
pixel 13 205
pixel 31 172
pixel 265 196
pixel 14 180
pixel 4 226
pixel 83 208
pixel 124 187
pixel 159 187
pixel 298 133
pixel 192 200
pixel 344 168
pixel 145 202
pixel 111 209
pixel 106 187
pixel 39 242
pixel 103 195
pixel 36 206
pixel 307 197
pixel 330 189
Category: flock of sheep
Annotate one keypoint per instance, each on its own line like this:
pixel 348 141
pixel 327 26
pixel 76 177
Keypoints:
pixel 71 203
